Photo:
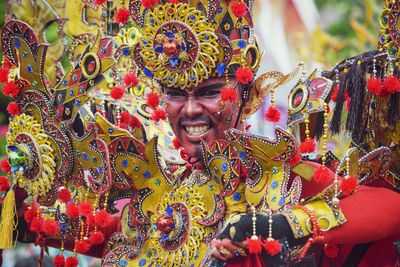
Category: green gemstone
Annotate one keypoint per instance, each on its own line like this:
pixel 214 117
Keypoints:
pixel 34 84
pixel 228 121
pixel 24 54
pixel 211 187
pixel 137 168
pixel 157 182
pixel 275 170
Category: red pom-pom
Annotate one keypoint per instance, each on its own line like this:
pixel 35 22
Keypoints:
pixel 158 115
pixel 239 9
pixel 335 93
pixel 59 261
pixel 321 175
pixel 153 100
pixel 71 261
pixel 64 195
pixel 36 225
pixel 174 1
pixel 103 218
pixel 272 114
pixel 4 183
pixel 10 89
pixel 390 86
pixel 13 108
pixel 7 64
pixel 307 146
pixel 85 208
pixel 30 214
pixel 131 79
pixel 90 219
pixel 5 165
pixel 72 210
pixel 149 3
pixel 122 16
pixel 125 116
pixel 295 160
pixel 374 86
pixel 331 251
pixel 117 92
pixel 96 238
pixel 82 246
pixel 254 245
pixel 228 94
pixel 244 75
pixel 51 227
pixel 99 2
pixel 4 72
pixel 135 123
pixel 348 185
pixel 176 143
pixel 272 246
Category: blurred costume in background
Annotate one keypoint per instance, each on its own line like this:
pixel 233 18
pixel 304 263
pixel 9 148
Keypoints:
pixel 94 166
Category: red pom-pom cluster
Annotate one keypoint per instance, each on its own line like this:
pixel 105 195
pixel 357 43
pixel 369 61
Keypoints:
pixel 103 218
pixel 308 146
pixel 125 116
pixel 64 195
pixel 51 227
pixel 174 1
pixel 30 214
pixel 11 89
pixel 322 175
pixel 135 123
pixel 149 3
pixel 127 119
pixel 390 86
pixel 374 85
pixel 228 94
pixel 272 246
pixel 13 108
pixel 4 72
pixel 4 183
pixel 176 143
pixel 5 165
pixel 117 92
pixel 244 75
pixel 59 261
pixel 254 245
pixel 153 100
pixel 331 251
pixel 71 261
pixel 99 2
pixel 85 208
pixel 295 160
pixel 239 9
pixel 335 94
pixel 158 115
pixel 348 185
pixel 122 16
pixel 272 114
pixel 72 210
pixel 96 238
pixel 131 79
pixel 82 246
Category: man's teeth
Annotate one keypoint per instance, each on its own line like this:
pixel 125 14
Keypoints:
pixel 197 130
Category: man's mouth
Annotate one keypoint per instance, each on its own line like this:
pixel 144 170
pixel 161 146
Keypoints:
pixel 197 130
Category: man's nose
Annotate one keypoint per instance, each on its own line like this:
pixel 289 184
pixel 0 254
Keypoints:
pixel 192 107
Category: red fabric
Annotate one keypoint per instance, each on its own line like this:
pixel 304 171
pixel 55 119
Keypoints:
pixel 249 261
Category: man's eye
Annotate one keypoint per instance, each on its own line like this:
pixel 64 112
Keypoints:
pixel 176 94
pixel 210 93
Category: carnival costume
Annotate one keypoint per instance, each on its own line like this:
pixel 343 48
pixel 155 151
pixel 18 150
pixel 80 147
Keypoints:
pixel 79 144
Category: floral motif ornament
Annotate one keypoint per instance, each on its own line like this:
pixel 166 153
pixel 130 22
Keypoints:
pixel 179 47
pixel 31 155
pixel 176 238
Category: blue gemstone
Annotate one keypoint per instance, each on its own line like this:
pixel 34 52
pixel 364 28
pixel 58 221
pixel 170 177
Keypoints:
pixel 85 156
pixel 171 194
pixel 224 166
pixel 147 174
pixel 168 210
pixel 144 42
pixel 159 49
pixel 309 105
pixel 77 102
pixel 142 262
pixel 71 92
pixel 126 52
pixel 170 35
pixel 100 169
pixel 123 263
pixel 242 155
pixel 192 78
pixel 63 226
pixel 170 79
pixel 207 37
pixel 187 195
pixel 64 82
pixel 220 9
pixel 274 184
pixel 152 21
pixel 221 68
pixel 281 201
pixel 140 239
pixel 164 237
pixel 125 163
pixel 383 39
pixel 29 69
pixel 110 130
pixel 173 61
pixel 236 196
pixel 148 72
pixel 242 44
pixel 17 43
pixel 192 17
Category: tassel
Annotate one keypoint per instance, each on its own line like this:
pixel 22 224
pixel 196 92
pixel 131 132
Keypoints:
pixel 254 245
pixel 321 175
pixel 7 223
pixel 272 246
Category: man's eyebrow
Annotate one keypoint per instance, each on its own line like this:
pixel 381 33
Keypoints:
pixel 210 87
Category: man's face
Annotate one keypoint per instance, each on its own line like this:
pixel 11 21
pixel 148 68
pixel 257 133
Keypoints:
pixel 201 114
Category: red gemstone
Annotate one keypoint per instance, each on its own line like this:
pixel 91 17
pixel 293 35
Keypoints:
pixel 171 48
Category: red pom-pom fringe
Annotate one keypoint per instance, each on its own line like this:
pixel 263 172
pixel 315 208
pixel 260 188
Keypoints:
pixel 295 160
pixel 5 165
pixel 117 92
pixel 4 72
pixel 374 86
pixel 228 94
pixel 103 218
pixel 85 208
pixel 272 114
pixel 308 146
pixel 348 185
pixel 72 210
pixel 176 143
pixel 99 2
pixel 331 251
pixel 158 115
pixel 135 123
pixel 71 261
pixel 30 214
pixel 244 75
pixel 13 109
pixel 4 183
pixel 125 116
pixel 153 100
pixel 239 9
pixel 82 246
pixel 64 195
pixel 254 245
pixel 149 3
pixel 390 86
pixel 174 1
pixel 322 175
pixel 272 246
pixel 96 238
pixel 131 79
pixel 36 225
pixel 122 16
pixel 59 261
pixel 11 89
pixel 51 227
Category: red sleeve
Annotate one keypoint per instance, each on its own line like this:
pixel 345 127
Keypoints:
pixel 372 214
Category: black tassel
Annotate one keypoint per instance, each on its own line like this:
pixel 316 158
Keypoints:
pixel 394 111
pixel 337 113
